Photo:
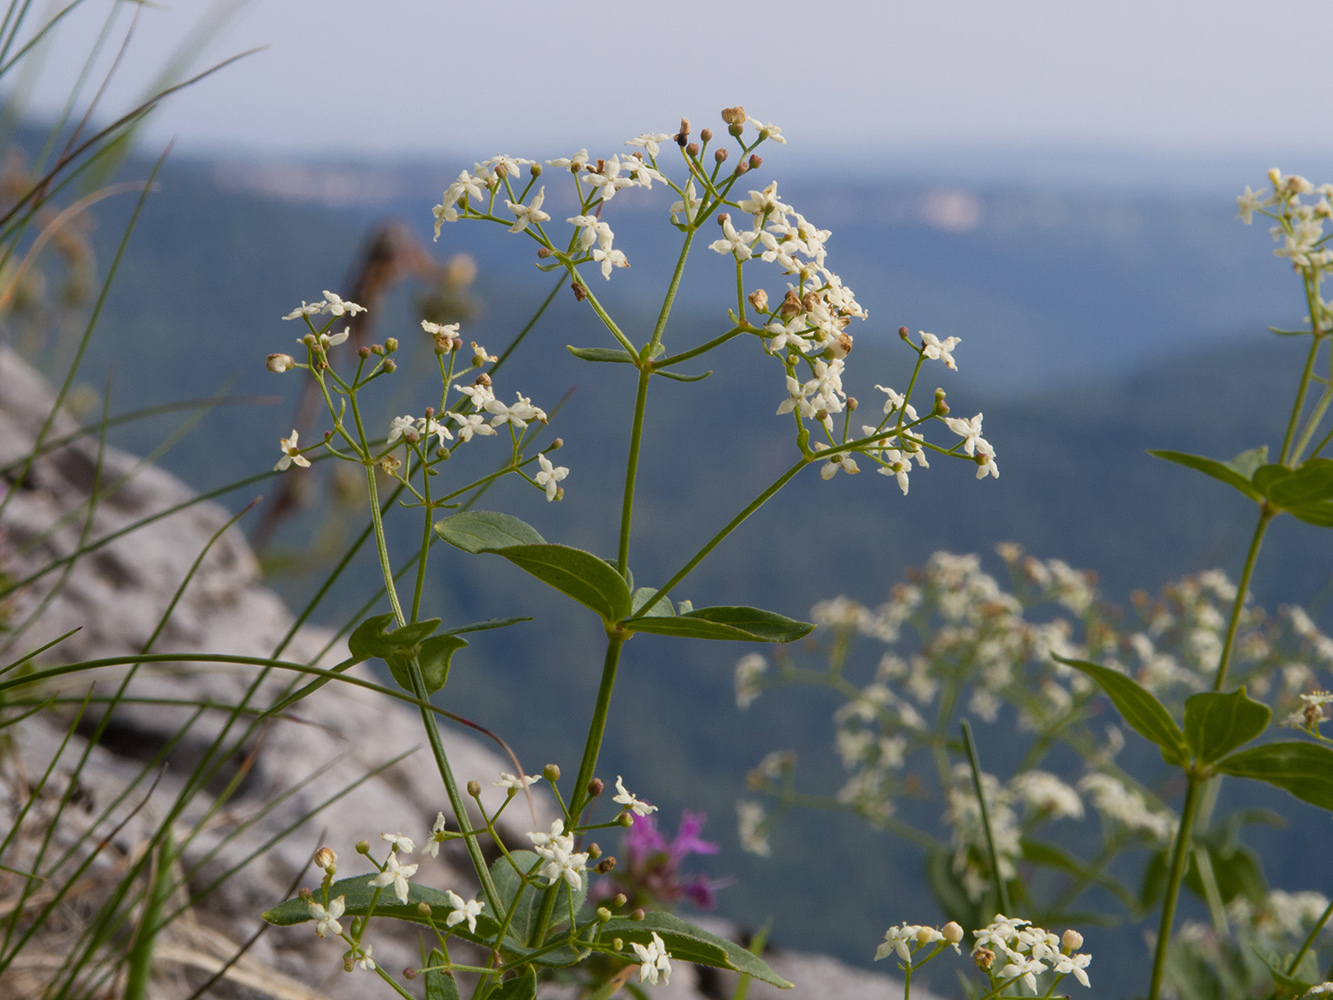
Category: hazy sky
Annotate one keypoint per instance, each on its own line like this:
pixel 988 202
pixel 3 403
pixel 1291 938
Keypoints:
pixel 427 77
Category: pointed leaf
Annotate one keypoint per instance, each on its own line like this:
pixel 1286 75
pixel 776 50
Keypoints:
pixel 1223 471
pixel 1303 769
pixel 661 606
pixel 1216 724
pixel 434 655
pixel 367 640
pixel 603 354
pixel 524 987
pixel 1312 482
pixel 357 894
pixel 678 377
pixel 488 624
pixel 688 943
pixel 1320 514
pixel 1144 713
pixel 485 530
pixel 591 581
pixel 723 622
pixel 440 985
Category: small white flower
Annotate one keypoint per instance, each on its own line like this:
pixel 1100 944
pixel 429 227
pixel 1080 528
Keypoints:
pixel 654 960
pixel 290 454
pixel 526 215
pixel 461 911
pixel 749 668
pixel 896 464
pixel 573 164
pixel 650 142
pixel 733 242
pixel 968 430
pixel 336 305
pixel 432 844
pixel 429 427
pixel 750 820
pixel 508 780
pixel 773 131
pixel 631 803
pixel 557 847
pixel 1073 964
pixel 549 477
pixel 400 843
pixel 327 920
pixel 311 309
pixel 364 960
pixel 403 427
pixel 609 259
pixel 396 874
pixel 936 349
pixel 986 467
pixel 327 340
pixel 440 329
pixel 1247 204
pixel 471 423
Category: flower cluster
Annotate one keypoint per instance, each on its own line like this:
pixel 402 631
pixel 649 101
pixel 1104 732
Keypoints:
pixel 1011 951
pixel 562 861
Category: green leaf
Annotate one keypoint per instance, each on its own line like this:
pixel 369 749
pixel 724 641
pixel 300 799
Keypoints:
pixel 678 377
pixel 1235 473
pixel 434 655
pixel 590 580
pixel 1144 713
pixel 486 530
pixel 373 638
pixel 1312 482
pixel 660 607
pixel 1055 857
pixel 357 894
pixel 524 987
pixel 608 355
pixel 488 624
pixel 688 943
pixel 1216 724
pixel 439 984
pixel 723 622
pixel 1154 880
pixel 1303 769
pixel 510 885
pixel 1320 514
pixel 367 639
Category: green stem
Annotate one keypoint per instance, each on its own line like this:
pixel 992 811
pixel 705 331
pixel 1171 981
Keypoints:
pixel 631 471
pixel 1179 856
pixel 1266 515
pixel 1309 941
pixel 1311 299
pixel 597 728
pixel 1001 889
pixel 141 956
pixel 382 546
pixel 732 525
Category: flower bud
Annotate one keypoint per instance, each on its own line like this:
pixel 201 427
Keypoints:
pixel 734 116
pixel 852 404
pixel 706 135
pixel 720 155
pixel 391 344
pixel 637 914
pixel 326 859
pixel 791 305
pixel 692 150
pixel 620 900
pixel 597 785
pixel 617 944
pixel 474 788
pixel 594 850
pixel 363 351
pixel 377 350
pixel 1072 941
pixel 904 333
pixel 551 772
pixel 741 168
pixel 535 169
pixel 735 130
pixel 682 136
pixel 625 819
pixel 306 894
pixel 424 909
pixel 580 293
pixel 409 973
pixel 756 161
pixel 279 363
pixel 543 252
pixel 363 847
pixel 952 932
pixel 759 299
pixel 603 914
pixel 606 865
pixel 390 365
pixel 983 957
pixel 723 218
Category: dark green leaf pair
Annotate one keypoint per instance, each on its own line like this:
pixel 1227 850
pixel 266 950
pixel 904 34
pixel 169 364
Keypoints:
pixel 1215 725
pixel 616 356
pixel 596 584
pixel 1306 493
pixel 374 638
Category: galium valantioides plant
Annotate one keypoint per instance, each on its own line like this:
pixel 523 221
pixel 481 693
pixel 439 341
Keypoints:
pixel 529 915
pixel 1041 655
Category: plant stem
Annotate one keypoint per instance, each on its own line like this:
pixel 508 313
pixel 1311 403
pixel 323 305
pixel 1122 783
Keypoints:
pixel 141 955
pixel 597 727
pixel 1179 856
pixel 631 472
pixel 1266 515
pixel 385 568
pixel 1001 889
pixel 1309 941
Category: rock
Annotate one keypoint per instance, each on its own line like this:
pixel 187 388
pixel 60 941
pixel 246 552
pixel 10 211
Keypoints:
pixel 343 765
